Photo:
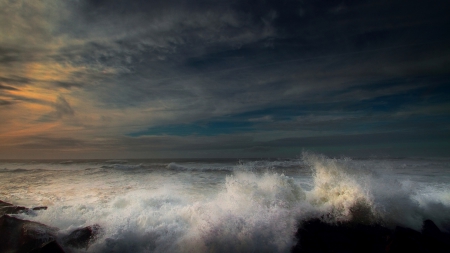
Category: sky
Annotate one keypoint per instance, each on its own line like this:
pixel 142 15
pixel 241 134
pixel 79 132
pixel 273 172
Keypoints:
pixel 203 79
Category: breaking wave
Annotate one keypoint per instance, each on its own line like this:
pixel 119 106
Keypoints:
pixel 243 210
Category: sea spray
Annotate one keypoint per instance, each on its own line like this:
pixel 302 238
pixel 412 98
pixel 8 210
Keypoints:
pixel 254 213
pixel 251 206
pixel 339 193
pixel 346 190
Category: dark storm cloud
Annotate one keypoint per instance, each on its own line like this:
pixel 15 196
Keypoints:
pixel 209 74
pixel 192 39
pixel 166 28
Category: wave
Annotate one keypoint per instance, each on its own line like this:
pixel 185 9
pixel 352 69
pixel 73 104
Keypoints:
pixel 199 167
pixel 250 210
pixel 117 161
pixel 259 165
pixel 242 165
pixel 347 191
pixel 123 166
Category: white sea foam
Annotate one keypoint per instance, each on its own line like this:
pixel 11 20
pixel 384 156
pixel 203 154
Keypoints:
pixel 347 190
pixel 241 210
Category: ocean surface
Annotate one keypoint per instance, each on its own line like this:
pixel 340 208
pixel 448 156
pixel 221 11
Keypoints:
pixel 224 205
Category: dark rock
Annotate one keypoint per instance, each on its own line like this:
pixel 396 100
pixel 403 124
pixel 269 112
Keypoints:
pixel 406 240
pixel 24 236
pixel 12 209
pixel 50 247
pixel 434 239
pixel 2 204
pixel 318 236
pixel 39 208
pixel 430 229
pixel 82 237
pixel 7 208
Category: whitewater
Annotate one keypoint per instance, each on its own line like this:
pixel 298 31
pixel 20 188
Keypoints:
pixel 224 205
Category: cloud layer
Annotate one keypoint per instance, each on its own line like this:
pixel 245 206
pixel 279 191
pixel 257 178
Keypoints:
pixel 194 78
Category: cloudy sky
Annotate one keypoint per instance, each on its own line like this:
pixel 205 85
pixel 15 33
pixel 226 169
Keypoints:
pixel 223 78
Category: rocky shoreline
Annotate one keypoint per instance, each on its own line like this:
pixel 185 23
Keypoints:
pixel 317 236
pixel 24 236
pixel 314 235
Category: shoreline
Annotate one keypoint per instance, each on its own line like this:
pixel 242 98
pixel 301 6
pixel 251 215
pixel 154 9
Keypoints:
pixel 313 235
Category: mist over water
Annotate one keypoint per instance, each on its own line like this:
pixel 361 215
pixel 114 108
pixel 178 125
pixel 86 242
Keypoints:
pixel 225 206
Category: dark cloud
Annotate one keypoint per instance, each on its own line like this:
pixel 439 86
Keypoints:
pixel 6 87
pixel 357 139
pixel 17 80
pixel 8 55
pixel 26 99
pixel 20 81
pixel 62 107
pixel 207 74
pixel 5 102
pixel 67 85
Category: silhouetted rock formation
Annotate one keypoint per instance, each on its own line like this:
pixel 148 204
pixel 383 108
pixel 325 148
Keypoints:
pixel 434 239
pixel 51 247
pixel 17 235
pixel 26 236
pixel 319 237
pixel 82 237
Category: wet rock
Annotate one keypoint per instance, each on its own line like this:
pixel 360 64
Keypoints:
pixel 406 240
pixel 317 236
pixel 430 229
pixel 434 239
pixel 2 203
pixel 24 236
pixel 39 208
pixel 50 247
pixel 8 208
pixel 82 237
pixel 12 209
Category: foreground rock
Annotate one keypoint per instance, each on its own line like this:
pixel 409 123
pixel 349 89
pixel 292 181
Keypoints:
pixel 51 247
pixel 82 237
pixel 317 236
pixel 7 208
pixel 17 235
pixel 26 236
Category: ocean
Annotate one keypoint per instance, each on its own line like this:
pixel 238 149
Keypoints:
pixel 226 205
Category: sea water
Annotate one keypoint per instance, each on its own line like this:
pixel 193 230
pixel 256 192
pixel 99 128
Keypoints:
pixel 224 205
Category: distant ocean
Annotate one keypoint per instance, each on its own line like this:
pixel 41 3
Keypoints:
pixel 224 205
